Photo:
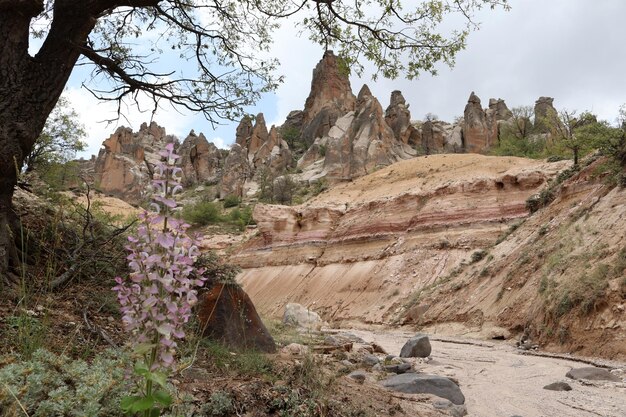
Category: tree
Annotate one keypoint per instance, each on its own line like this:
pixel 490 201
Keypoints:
pixel 611 140
pixel 60 139
pixel 520 125
pixel 227 40
pixel 283 189
pixel 564 127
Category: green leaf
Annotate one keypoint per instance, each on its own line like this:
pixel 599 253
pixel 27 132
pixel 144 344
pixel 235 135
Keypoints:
pixel 155 412
pixel 163 397
pixel 127 402
pixel 142 404
pixel 159 377
pixel 143 348
pixel 142 369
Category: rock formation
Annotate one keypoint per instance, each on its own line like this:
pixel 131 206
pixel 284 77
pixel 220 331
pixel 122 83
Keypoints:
pixel 200 160
pixel 398 117
pixel 479 131
pixel 244 131
pixel 330 98
pixel 236 171
pixel 258 136
pixel 381 234
pixel 123 165
pixel 227 315
pixel 255 152
pixel 499 109
pixel 545 114
pixel 358 143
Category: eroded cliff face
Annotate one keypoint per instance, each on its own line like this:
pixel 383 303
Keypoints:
pixel 424 242
pixel 560 277
pixel 359 250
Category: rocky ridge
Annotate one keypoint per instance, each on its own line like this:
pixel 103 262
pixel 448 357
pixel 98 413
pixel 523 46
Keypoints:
pixel 337 137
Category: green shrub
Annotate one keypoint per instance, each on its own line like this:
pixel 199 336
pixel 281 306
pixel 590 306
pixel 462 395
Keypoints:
pixel 231 201
pixel 55 385
pixel 202 213
pixel 478 255
pixel 241 217
pixel 509 145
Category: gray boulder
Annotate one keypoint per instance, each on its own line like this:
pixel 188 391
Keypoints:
pixel 401 368
pixel 370 360
pixel 358 376
pixel 411 383
pixel 558 386
pixel 416 347
pixel 454 410
pixel 593 374
pixel 299 316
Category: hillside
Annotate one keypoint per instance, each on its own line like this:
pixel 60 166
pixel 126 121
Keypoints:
pixel 446 241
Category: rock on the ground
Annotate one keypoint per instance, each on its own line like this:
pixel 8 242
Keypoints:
pixel 359 376
pixel 454 410
pixel 227 315
pixel 299 316
pixel 412 383
pixel 593 374
pixel 295 349
pixel 558 386
pixel 401 368
pixel 416 347
pixel 370 360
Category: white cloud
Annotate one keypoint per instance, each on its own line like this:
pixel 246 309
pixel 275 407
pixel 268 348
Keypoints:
pixel 94 115
pixel 219 142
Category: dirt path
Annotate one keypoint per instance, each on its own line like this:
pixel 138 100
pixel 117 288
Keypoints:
pixel 498 381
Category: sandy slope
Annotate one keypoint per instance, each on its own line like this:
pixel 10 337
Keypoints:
pixel 498 381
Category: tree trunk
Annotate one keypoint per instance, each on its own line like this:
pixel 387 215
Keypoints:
pixel 29 89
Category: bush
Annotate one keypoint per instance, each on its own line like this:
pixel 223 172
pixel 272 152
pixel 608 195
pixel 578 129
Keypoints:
pixel 231 201
pixel 202 213
pixel 55 385
pixel 509 145
pixel 478 255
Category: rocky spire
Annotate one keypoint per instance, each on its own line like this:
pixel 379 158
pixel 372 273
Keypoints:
pixel 244 131
pixel 330 98
pixel 545 114
pixel 478 132
pixel 398 117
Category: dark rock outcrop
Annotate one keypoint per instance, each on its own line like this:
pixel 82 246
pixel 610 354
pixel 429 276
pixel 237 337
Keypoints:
pixel 558 386
pixel 244 131
pixel 593 374
pixel 412 383
pixel 227 315
pixel 416 347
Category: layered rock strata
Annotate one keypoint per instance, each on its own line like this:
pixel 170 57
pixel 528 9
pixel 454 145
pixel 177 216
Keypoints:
pixel 360 249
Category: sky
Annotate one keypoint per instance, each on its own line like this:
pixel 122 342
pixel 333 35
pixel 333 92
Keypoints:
pixel 571 50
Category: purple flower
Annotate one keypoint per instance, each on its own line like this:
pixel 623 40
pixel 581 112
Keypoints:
pixel 157 297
